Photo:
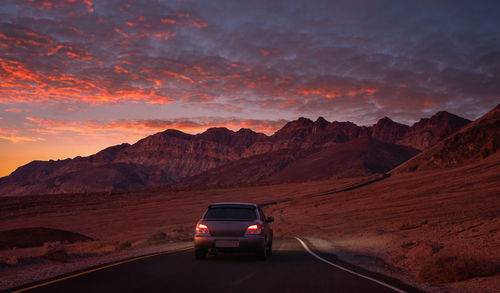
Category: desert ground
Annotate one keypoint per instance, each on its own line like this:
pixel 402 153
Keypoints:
pixel 437 230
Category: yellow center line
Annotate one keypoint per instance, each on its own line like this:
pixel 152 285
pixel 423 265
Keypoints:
pixel 101 268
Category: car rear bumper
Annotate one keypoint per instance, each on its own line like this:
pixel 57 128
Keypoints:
pixel 244 243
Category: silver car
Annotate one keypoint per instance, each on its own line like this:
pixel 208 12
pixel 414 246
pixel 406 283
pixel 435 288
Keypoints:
pixel 240 227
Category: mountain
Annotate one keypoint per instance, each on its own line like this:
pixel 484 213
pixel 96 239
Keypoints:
pixel 358 157
pixel 429 130
pixel 173 157
pixel 476 141
pixel 388 130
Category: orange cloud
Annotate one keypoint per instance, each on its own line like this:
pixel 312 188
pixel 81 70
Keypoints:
pixel 198 23
pixel 16 110
pixel 429 104
pixel 164 35
pixel 121 33
pixel 14 137
pixel 334 90
pixel 267 52
pixel 141 128
pixel 360 91
pixel 20 83
pixel 185 18
pixel 24 39
pixel 72 52
pixel 169 20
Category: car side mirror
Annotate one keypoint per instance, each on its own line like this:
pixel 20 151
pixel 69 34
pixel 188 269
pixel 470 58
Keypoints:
pixel 270 219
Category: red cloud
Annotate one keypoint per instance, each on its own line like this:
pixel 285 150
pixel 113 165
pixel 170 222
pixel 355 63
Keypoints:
pixel 267 52
pixel 170 21
pixel 152 51
pixel 71 51
pixel 72 72
pixel 140 128
pixel 21 83
pixel 15 37
pixel 57 4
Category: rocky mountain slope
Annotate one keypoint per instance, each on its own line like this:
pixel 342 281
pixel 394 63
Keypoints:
pixel 358 157
pixel 171 156
pixel 474 142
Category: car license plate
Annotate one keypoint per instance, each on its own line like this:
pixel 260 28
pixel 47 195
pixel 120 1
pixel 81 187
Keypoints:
pixel 227 243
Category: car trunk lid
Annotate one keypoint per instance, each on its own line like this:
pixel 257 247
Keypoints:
pixel 228 228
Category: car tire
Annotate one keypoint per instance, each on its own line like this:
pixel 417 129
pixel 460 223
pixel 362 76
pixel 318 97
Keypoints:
pixel 263 253
pixel 200 253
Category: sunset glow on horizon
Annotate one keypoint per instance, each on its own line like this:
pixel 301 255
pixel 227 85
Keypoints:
pixel 77 76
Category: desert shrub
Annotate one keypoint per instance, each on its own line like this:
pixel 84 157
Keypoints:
pixel 179 228
pixel 158 236
pixel 174 236
pixel 123 245
pixel 454 268
pixel 179 233
pixel 54 251
pixel 13 260
pixel 8 261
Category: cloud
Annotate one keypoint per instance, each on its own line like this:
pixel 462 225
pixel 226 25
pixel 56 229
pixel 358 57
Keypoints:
pixel 14 137
pixel 85 69
pixel 59 4
pixel 291 57
pixel 16 110
pixel 140 128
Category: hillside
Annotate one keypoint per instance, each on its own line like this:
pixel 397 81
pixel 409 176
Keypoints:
pixel 170 157
pixel 436 229
pixel 358 157
pixel 474 142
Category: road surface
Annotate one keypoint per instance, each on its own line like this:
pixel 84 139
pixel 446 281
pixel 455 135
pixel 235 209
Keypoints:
pixel 290 269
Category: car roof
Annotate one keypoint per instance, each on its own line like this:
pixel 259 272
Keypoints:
pixel 232 205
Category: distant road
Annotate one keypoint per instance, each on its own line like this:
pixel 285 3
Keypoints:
pixel 290 269
pixel 378 177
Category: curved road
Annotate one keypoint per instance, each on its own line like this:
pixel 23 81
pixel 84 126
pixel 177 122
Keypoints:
pixel 290 269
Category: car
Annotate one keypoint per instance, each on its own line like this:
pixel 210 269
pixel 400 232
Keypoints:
pixel 234 227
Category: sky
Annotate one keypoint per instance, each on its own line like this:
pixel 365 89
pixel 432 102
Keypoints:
pixel 77 76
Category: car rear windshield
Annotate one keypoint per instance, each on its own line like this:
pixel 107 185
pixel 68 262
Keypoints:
pixel 230 213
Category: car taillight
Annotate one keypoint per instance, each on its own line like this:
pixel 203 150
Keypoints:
pixel 202 229
pixel 254 229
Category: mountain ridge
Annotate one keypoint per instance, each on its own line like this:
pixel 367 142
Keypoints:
pixel 168 157
pixel 475 141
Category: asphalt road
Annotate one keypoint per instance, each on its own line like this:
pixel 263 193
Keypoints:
pixel 289 269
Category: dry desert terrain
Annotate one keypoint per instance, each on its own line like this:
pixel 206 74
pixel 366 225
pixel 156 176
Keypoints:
pixel 437 230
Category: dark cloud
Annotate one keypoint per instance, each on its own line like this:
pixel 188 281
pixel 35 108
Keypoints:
pixel 350 59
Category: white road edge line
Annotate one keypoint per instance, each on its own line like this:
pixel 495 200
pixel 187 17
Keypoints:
pixel 347 270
